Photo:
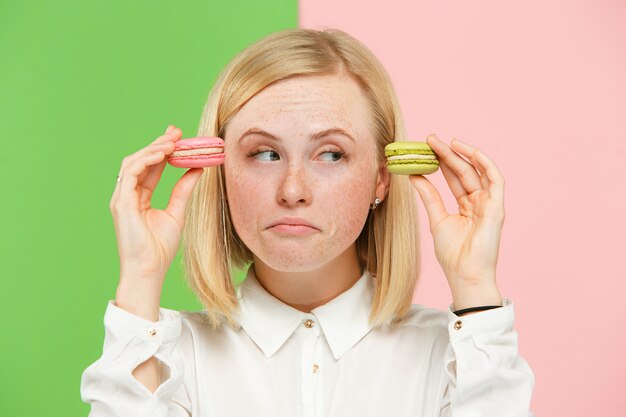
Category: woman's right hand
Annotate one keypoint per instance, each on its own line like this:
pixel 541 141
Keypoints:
pixel 148 238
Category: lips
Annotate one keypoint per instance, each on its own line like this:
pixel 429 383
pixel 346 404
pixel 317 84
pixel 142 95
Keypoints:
pixel 293 221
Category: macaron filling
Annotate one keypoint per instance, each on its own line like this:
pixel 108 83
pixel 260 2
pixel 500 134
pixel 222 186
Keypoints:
pixel 410 156
pixel 199 151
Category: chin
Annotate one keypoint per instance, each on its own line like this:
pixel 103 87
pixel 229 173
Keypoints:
pixel 298 254
pixel 299 261
pixel 285 263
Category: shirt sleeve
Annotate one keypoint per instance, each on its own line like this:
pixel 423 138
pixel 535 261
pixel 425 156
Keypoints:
pixel 108 384
pixel 486 375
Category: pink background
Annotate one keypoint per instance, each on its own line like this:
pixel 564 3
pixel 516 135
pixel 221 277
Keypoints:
pixel 541 88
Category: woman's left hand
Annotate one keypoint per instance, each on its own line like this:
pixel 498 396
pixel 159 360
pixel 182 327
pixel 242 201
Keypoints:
pixel 467 243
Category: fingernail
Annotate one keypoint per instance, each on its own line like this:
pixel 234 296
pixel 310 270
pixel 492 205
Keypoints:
pixel 432 136
pixel 169 127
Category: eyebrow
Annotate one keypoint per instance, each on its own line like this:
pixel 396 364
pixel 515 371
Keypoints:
pixel 314 136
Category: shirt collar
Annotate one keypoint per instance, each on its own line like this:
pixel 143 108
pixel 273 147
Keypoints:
pixel 269 322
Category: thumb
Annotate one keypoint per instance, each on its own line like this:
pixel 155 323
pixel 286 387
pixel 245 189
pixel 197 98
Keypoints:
pixel 431 199
pixel 181 193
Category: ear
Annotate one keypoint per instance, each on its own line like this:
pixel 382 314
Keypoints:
pixel 382 182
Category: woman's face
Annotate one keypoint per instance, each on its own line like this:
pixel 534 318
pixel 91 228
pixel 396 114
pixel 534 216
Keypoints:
pixel 294 174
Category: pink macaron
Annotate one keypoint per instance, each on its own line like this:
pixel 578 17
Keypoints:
pixel 200 152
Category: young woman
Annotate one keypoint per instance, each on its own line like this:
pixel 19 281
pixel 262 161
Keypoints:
pixel 323 324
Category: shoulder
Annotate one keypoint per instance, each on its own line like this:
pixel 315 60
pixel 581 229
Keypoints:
pixel 422 332
pixel 195 321
pixel 196 325
pixel 192 318
pixel 424 317
pixel 423 322
pixel 198 339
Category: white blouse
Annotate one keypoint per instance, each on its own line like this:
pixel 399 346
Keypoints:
pixel 330 362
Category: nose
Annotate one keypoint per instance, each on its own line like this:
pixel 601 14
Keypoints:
pixel 294 189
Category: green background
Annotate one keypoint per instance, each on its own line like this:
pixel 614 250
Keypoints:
pixel 82 85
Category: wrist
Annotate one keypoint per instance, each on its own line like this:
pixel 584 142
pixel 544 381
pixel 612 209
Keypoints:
pixel 474 310
pixel 475 296
pixel 141 300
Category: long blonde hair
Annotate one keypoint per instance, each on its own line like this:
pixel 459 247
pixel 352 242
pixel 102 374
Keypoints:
pixel 388 243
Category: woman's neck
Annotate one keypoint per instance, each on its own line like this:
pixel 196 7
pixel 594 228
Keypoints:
pixel 305 291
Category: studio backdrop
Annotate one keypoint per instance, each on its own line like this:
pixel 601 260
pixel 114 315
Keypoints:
pixel 539 86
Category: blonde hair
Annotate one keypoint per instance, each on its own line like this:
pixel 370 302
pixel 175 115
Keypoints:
pixel 388 244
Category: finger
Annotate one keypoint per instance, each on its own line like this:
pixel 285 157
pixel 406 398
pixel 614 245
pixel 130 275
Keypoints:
pixel 167 148
pixel 494 181
pixel 181 193
pixel 161 143
pixel 453 181
pixel 469 152
pixel 151 177
pixel 128 194
pixel 125 174
pixel 431 199
pixel 464 170
pixel 171 135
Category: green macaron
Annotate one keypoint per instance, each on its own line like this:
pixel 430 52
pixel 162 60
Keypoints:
pixel 411 158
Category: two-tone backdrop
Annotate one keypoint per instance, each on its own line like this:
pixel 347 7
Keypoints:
pixel 539 86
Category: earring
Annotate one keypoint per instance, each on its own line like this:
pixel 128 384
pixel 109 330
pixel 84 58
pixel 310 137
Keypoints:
pixel 375 204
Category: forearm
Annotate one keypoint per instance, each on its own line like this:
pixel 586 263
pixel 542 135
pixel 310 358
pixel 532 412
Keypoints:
pixel 148 373
pixel 485 369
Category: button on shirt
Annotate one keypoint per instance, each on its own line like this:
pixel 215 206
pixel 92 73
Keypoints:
pixel 329 362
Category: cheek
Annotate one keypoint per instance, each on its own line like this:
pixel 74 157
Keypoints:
pixel 245 195
pixel 348 199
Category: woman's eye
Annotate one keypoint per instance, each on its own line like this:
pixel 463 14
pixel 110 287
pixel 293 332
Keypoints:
pixel 264 155
pixel 333 155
